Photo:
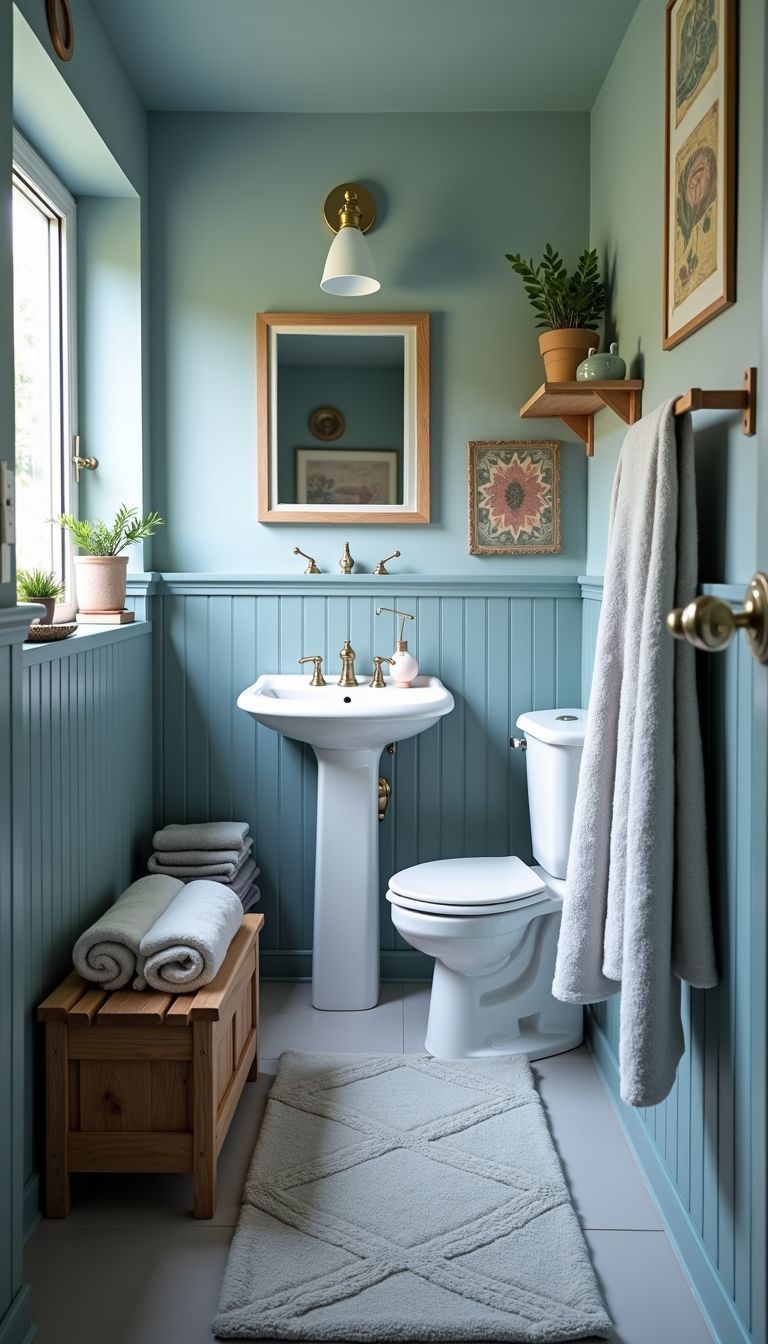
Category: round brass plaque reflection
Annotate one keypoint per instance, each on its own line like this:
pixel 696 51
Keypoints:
pixel 327 423
pixel 61 28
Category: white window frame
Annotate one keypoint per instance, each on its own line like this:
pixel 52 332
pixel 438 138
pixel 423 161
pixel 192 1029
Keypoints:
pixel 33 175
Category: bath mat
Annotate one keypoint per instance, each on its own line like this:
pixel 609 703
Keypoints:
pixel 400 1197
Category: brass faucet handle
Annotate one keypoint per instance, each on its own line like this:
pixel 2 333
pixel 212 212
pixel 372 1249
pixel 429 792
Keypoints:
pixel 378 678
pixel 346 563
pixel 381 567
pixel 311 567
pixel 317 678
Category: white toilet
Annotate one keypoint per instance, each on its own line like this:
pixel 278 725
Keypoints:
pixel 492 923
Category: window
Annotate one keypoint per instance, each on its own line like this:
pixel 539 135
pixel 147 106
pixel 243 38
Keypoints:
pixel 44 354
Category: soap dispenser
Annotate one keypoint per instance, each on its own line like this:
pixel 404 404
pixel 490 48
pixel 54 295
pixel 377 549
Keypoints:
pixel 405 668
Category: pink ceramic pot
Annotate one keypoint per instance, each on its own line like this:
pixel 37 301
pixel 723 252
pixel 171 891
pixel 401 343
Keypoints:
pixel 100 583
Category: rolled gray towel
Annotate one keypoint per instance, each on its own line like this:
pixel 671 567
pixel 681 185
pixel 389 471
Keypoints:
pixel 225 870
pixel 108 952
pixel 186 946
pixel 201 835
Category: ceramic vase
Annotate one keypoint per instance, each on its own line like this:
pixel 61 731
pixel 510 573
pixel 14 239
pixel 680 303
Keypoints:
pixel 100 583
pixel 610 367
pixel 564 350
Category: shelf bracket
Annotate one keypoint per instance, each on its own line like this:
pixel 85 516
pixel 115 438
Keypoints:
pixel 584 426
pixel 625 404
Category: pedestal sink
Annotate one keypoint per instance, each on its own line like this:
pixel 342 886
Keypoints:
pixel 348 729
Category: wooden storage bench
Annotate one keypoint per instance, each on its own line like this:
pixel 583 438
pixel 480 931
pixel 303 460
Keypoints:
pixel 147 1081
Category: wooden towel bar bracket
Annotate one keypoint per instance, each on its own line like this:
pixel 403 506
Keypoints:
pixel 742 399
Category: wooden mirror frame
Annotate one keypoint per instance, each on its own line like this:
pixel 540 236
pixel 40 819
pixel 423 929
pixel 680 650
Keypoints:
pixel 412 510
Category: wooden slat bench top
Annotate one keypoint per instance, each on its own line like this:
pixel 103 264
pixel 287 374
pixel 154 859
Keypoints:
pixel 79 1002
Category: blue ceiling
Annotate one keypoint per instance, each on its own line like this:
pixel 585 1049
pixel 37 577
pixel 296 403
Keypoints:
pixel 367 55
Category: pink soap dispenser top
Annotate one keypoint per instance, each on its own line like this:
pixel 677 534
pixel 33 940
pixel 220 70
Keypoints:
pixel 406 668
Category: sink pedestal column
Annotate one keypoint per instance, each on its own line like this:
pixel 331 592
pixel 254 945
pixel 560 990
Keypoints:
pixel 345 958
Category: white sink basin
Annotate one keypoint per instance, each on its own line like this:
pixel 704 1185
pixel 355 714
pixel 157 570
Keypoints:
pixel 348 729
pixel 344 719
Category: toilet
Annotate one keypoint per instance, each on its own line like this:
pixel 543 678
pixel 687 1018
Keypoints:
pixel 491 924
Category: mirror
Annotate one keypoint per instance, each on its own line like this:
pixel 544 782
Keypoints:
pixel 343 417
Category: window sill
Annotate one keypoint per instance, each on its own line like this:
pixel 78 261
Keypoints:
pixel 83 640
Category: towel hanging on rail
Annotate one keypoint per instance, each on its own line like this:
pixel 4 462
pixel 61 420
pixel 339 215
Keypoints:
pixel 636 916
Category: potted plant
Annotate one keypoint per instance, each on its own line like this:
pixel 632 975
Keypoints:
pixel 567 307
pixel 100 574
pixel 42 586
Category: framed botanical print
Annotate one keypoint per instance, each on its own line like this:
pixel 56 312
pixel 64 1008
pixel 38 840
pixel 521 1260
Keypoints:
pixel 514 497
pixel 699 165
pixel 346 476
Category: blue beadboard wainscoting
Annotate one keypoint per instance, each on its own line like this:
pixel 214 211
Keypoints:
pixel 502 645
pixel 87 715
pixel 703 1149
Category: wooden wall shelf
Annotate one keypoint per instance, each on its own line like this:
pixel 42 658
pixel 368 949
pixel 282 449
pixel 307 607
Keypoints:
pixel 577 404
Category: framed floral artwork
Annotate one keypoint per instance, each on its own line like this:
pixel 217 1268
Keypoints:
pixel 514 497
pixel 700 168
pixel 346 476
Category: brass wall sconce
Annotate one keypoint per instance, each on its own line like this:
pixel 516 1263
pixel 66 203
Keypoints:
pixel 350 212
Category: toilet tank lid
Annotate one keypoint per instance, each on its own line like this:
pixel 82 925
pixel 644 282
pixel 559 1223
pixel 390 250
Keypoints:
pixel 560 727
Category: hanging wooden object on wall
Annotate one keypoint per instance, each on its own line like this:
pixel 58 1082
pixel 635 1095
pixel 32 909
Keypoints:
pixel 61 28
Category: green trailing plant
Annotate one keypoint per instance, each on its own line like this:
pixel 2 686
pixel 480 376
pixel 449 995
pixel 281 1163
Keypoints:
pixel 33 585
pixel 100 538
pixel 558 299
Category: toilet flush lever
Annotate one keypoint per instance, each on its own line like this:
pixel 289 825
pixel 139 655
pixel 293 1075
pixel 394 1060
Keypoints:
pixel 518 743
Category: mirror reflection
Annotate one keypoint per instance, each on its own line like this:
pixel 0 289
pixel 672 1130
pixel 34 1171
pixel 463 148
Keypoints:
pixel 340 419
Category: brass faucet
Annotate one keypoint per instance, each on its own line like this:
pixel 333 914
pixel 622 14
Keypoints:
pixel 381 567
pixel 378 679
pixel 312 566
pixel 317 678
pixel 347 655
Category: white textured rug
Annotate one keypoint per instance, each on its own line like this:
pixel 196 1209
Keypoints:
pixel 399 1197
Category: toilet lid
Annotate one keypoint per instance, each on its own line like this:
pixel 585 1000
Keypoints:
pixel 468 882
pixel 451 911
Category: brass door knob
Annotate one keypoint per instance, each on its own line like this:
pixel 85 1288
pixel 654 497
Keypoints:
pixel 709 623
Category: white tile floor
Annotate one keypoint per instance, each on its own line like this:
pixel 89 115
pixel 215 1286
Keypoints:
pixel 131 1266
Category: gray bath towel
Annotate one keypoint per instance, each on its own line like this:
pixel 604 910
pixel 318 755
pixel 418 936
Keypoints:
pixel 108 952
pixel 226 870
pixel 250 898
pixel 186 946
pixel 637 915
pixel 202 835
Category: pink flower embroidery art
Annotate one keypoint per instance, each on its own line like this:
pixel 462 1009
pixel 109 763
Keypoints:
pixel 515 495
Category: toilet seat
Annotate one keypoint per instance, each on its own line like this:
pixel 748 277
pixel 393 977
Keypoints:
pixel 470 908
pixel 467 886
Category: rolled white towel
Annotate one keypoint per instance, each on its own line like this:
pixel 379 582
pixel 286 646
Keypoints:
pixel 108 952
pixel 186 946
pixel 202 835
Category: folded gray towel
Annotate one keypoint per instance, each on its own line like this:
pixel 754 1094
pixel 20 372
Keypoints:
pixel 226 871
pixel 251 898
pixel 108 951
pixel 244 877
pixel 202 835
pixel 186 946
pixel 198 858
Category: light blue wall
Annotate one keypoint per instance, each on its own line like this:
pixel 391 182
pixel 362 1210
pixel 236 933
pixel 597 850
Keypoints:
pixel 237 229
pixel 626 226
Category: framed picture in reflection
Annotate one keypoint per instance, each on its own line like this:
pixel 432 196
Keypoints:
pixel 346 476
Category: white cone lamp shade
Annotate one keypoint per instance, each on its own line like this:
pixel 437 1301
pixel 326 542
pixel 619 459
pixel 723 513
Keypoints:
pixel 349 269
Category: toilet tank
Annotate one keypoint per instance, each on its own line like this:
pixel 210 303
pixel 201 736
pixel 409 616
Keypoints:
pixel 555 739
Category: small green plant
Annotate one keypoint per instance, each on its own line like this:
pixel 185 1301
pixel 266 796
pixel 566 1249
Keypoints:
pixel 33 584
pixel 99 538
pixel 560 300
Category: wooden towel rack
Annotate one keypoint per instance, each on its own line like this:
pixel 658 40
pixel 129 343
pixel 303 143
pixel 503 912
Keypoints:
pixel 740 399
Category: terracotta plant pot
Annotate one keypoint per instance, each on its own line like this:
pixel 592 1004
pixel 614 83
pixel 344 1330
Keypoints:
pixel 100 583
pixel 49 603
pixel 564 350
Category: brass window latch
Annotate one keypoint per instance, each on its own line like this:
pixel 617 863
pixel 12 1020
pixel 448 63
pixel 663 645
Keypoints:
pixel 710 624
pixel 82 463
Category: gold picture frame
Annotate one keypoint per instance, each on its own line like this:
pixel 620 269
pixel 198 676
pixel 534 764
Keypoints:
pixel 699 165
pixel 514 496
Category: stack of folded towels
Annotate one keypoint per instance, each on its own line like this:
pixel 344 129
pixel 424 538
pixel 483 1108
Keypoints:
pixel 219 851
pixel 163 933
